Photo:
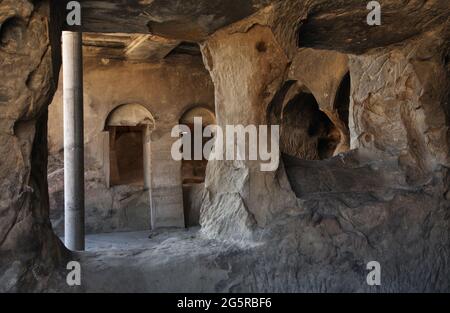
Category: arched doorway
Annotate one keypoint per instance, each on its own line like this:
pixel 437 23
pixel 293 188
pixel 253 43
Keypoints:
pixel 193 172
pixel 129 127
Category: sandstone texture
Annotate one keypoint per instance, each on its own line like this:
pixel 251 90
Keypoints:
pixel 29 251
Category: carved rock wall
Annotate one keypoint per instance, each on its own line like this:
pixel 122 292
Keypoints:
pixel 167 89
pixel 384 201
pixel 29 251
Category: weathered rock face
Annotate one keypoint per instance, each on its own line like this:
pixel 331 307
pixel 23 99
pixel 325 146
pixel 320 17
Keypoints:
pixel 342 25
pixel 361 206
pixel 193 20
pixel 400 104
pixel 29 251
pixel 244 88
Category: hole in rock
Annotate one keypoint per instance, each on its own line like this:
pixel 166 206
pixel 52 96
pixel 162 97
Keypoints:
pixel 261 46
pixel 342 102
pixel 11 33
pixel 307 132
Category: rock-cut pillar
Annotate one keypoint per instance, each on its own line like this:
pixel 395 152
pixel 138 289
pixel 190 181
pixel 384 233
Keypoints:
pixel 73 141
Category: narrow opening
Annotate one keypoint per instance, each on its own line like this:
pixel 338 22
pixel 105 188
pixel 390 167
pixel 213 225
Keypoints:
pixel 342 102
pixel 341 113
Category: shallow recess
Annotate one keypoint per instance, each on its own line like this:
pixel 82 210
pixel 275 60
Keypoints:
pixel 11 33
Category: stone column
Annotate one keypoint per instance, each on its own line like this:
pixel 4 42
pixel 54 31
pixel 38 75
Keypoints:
pixel 239 196
pixel 166 186
pixel 147 155
pixel 73 140
pixel 148 168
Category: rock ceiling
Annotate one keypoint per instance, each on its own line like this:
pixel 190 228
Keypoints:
pixel 134 47
pixel 159 26
pixel 188 20
pixel 152 29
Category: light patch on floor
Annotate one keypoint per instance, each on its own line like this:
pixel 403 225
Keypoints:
pixel 139 240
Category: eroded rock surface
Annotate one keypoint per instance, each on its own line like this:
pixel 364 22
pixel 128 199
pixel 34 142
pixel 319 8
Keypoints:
pixel 366 204
pixel 29 251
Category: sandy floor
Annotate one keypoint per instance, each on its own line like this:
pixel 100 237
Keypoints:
pixel 171 260
pixel 136 240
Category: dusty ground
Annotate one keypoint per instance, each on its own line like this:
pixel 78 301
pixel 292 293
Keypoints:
pixel 139 240
pixel 169 261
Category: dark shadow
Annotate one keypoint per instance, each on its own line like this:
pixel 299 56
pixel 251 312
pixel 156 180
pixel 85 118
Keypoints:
pixel 307 132
pixel 342 101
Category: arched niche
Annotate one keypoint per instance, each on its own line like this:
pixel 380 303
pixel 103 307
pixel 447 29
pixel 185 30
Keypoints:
pixel 193 172
pixel 208 116
pixel 128 148
pixel 130 115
